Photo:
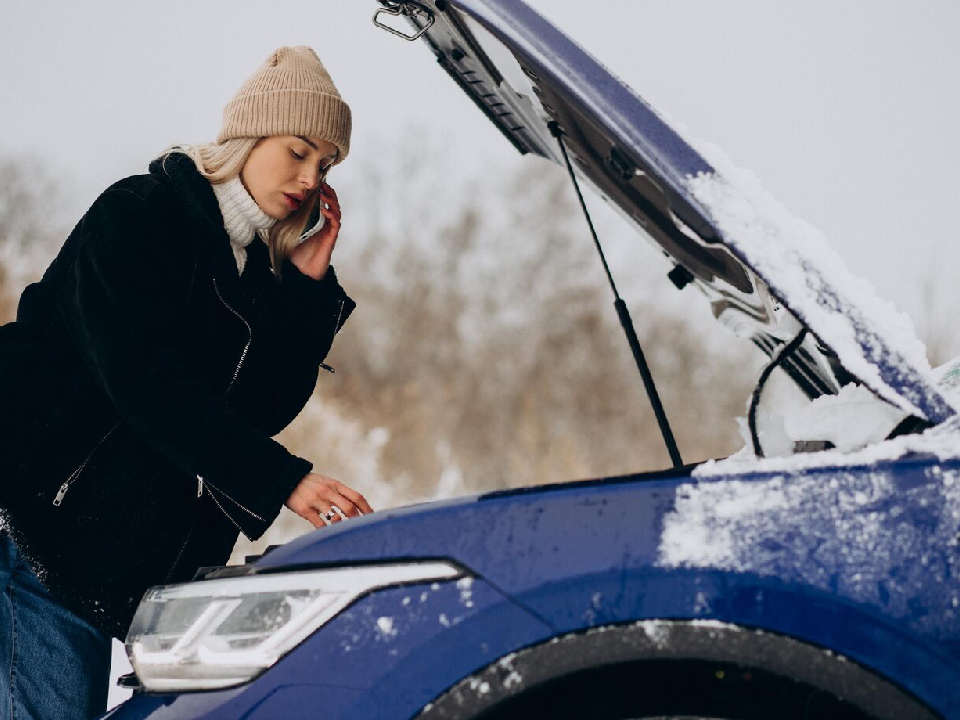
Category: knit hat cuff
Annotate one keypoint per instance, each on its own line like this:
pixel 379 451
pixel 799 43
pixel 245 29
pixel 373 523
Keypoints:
pixel 289 111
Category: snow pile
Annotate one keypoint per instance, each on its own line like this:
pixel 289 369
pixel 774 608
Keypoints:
pixel 941 442
pixel 850 420
pixel 870 531
pixel 873 340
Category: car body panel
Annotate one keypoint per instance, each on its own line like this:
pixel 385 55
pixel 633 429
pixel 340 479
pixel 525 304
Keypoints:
pixel 566 558
pixel 526 542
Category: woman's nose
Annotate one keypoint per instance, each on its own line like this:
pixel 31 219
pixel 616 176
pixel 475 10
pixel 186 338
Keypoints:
pixel 310 179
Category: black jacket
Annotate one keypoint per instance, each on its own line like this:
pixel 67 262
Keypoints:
pixel 139 388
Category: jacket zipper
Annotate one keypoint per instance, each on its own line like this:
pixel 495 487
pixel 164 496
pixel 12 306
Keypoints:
pixel 76 473
pixel 246 348
pixel 243 355
pixel 239 505
pixel 227 515
pixel 183 547
pixel 236 372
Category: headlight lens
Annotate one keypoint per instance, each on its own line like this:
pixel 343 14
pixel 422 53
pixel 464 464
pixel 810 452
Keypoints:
pixel 217 633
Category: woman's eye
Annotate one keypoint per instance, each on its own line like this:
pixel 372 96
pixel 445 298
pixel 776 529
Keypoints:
pixel 297 155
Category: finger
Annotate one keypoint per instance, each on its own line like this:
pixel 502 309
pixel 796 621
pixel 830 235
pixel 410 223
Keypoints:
pixel 359 500
pixel 332 206
pixel 310 516
pixel 333 224
pixel 346 507
pixel 329 204
pixel 331 213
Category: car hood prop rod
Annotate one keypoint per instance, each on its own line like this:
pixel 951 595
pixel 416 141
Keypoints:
pixel 625 321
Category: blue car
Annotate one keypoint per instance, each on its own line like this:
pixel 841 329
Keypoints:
pixel 814 574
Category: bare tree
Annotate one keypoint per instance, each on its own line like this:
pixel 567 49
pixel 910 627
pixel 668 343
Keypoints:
pixel 28 236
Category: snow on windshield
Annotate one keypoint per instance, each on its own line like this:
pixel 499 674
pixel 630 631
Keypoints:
pixel 871 531
pixel 873 340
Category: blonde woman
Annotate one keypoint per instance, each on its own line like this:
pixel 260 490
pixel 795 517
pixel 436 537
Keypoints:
pixel 181 326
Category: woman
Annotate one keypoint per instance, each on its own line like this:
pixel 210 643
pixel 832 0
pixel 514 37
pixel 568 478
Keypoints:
pixel 146 373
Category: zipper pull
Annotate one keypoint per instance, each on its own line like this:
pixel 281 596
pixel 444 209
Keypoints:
pixel 327 368
pixel 60 493
pixel 199 486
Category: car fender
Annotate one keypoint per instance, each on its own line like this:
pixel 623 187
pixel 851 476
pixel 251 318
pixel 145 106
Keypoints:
pixel 922 666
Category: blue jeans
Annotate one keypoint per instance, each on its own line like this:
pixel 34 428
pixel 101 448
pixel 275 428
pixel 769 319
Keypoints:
pixel 52 664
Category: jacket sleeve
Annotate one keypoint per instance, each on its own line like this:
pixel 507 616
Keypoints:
pixel 298 319
pixel 123 303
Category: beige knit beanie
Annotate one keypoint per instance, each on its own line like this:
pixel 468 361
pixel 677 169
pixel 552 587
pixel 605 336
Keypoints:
pixel 290 94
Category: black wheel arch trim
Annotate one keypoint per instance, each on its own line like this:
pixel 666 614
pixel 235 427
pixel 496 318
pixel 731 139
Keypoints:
pixel 513 674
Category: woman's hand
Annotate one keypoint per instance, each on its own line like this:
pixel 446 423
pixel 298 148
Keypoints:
pixel 312 256
pixel 317 496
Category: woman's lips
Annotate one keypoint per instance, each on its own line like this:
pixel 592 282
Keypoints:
pixel 292 201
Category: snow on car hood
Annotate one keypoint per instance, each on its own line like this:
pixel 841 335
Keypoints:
pixel 873 341
pixel 765 274
pixel 878 527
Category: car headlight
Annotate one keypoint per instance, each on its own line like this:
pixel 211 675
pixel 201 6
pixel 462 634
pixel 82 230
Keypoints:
pixel 216 633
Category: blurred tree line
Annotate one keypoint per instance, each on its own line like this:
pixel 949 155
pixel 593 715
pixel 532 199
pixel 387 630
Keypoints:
pixel 485 352
pixel 27 239
pixel 488 346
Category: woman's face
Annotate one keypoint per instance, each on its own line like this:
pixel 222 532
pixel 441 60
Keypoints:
pixel 284 171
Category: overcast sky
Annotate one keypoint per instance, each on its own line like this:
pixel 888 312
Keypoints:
pixel 848 111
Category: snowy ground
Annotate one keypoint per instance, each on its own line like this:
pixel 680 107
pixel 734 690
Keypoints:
pixel 119 666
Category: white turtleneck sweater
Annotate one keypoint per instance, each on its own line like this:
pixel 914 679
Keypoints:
pixel 242 217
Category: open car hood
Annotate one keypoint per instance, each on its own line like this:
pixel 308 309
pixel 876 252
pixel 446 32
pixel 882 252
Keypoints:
pixel 765 274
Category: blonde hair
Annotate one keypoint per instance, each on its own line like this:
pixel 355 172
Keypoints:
pixel 220 162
